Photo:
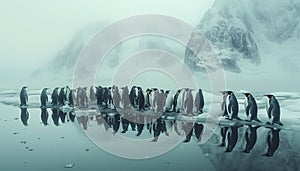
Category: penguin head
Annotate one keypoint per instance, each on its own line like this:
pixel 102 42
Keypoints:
pixel 247 94
pixel 168 91
pixel 24 87
pixel 45 89
pixel 230 93
pixel 269 96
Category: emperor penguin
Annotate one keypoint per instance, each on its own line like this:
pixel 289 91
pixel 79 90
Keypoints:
pixel 199 101
pixel 223 103
pixel 169 100
pixel 54 96
pixel 232 105
pixel 140 99
pixel 273 109
pixel 132 96
pixel 251 107
pixel 23 96
pixel 44 97
pixel 61 97
pixel 188 102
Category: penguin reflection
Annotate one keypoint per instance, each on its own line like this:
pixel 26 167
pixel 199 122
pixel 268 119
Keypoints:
pixel 116 123
pixel 126 121
pixel 223 135
pixel 232 138
pixel 158 127
pixel 62 116
pixel 72 116
pixel 44 116
pixel 198 131
pixel 273 141
pixel 188 129
pixel 55 116
pixel 24 116
pixel 251 137
pixel 84 121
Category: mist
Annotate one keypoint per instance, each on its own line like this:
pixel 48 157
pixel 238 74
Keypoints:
pixel 33 32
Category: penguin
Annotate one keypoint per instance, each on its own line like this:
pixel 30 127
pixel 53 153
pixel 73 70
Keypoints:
pixel 44 97
pixel 23 96
pixel 71 97
pixel 251 137
pixel 160 102
pixel 116 97
pixel 132 96
pixel 199 102
pixel 175 100
pixel 83 98
pixel 147 98
pixel 251 107
pixel 125 97
pixel 141 99
pixel 188 102
pixel 273 140
pixel 223 103
pixel 54 96
pixel 67 94
pixel 61 97
pixel 99 94
pixel 92 94
pixel 169 101
pixel 232 105
pixel 273 110
pixel 78 95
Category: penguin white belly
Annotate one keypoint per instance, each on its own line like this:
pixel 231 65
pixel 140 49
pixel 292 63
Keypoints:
pixel 169 101
pixel 195 94
pixel 227 105
pixel 179 105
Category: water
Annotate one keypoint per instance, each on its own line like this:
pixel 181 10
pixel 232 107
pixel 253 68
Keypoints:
pixel 50 147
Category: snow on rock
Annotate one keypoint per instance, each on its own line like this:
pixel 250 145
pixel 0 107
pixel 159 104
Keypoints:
pixel 240 30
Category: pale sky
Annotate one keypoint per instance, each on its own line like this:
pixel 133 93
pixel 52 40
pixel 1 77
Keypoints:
pixel 33 31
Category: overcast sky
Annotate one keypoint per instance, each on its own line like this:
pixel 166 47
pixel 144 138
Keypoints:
pixel 33 31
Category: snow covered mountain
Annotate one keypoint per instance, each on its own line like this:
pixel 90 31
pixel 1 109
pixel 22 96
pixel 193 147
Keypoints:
pixel 247 30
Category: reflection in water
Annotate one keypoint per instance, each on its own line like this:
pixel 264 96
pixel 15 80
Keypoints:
pixel 55 116
pixel 250 137
pixel 272 142
pixel 44 116
pixel 232 137
pixel 24 116
pixel 157 126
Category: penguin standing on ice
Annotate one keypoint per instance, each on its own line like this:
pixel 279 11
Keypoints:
pixel 125 97
pixel 188 102
pixel 44 97
pixel 223 103
pixel 132 96
pixel 232 105
pixel 141 99
pixel 199 101
pixel 54 97
pixel 61 97
pixel 23 96
pixel 273 109
pixel 251 107
pixel 92 94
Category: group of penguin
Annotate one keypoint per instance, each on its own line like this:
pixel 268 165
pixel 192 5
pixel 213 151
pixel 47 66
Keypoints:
pixel 230 107
pixel 187 101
